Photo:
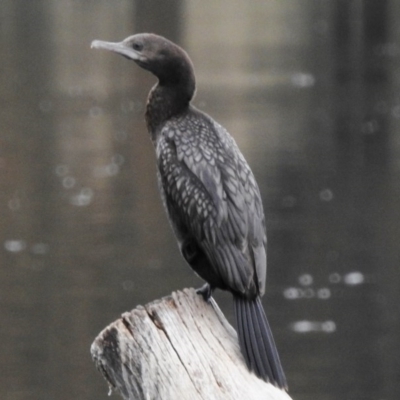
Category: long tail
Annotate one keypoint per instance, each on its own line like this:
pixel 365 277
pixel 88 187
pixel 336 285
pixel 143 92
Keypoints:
pixel 256 341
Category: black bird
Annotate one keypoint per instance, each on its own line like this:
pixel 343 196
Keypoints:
pixel 210 195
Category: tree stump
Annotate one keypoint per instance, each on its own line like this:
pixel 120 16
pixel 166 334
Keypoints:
pixel 179 347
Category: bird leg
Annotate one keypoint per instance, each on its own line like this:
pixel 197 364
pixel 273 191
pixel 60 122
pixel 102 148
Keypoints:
pixel 206 291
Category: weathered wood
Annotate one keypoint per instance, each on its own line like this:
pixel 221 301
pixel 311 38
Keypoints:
pixel 179 347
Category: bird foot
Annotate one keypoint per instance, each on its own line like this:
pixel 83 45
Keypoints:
pixel 205 291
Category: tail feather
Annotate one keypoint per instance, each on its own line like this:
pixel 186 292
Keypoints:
pixel 256 341
pixel 254 319
pixel 272 351
pixel 243 334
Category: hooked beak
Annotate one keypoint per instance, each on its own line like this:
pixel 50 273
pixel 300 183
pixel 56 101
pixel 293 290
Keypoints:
pixel 116 47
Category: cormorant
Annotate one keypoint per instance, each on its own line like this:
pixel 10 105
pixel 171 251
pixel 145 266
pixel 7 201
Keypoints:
pixel 210 195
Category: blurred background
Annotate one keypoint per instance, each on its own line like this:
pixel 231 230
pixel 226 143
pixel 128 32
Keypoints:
pixel 310 91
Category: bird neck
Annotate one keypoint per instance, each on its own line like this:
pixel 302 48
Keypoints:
pixel 167 100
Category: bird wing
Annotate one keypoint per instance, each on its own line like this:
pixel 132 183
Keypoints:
pixel 212 194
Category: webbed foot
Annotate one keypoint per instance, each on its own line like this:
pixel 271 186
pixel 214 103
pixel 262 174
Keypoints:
pixel 206 291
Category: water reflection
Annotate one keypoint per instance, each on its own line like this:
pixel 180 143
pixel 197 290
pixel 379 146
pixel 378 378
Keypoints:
pixel 308 89
pixel 313 326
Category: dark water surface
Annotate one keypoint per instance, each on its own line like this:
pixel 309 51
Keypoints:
pixel 310 91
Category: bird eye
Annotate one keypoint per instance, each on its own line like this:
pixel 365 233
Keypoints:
pixel 137 46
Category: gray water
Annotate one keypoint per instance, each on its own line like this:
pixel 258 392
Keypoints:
pixel 310 91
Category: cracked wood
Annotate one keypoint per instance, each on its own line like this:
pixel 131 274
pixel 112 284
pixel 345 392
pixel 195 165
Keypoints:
pixel 178 347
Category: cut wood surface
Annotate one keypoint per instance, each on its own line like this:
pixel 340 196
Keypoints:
pixel 179 347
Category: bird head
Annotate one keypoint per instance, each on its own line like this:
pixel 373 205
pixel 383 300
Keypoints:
pixel 165 59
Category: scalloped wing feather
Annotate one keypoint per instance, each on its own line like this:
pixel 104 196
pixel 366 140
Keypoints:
pixel 212 194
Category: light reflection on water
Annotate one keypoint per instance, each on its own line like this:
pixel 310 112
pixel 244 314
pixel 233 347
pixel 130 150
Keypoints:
pixel 307 291
pixel 84 236
pixel 313 326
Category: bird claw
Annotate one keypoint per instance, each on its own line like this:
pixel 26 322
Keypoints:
pixel 205 291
